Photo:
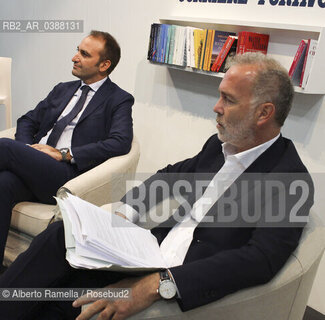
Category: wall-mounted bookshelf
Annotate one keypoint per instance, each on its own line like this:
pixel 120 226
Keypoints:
pixel 283 43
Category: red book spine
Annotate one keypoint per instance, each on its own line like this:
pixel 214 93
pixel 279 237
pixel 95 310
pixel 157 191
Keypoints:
pixel 225 45
pixel 241 42
pixel 297 57
pixel 224 52
pixel 304 66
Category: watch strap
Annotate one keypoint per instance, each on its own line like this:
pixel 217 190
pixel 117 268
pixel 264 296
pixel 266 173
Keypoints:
pixel 166 280
pixel 164 275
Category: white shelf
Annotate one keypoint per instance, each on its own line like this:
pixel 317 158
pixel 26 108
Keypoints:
pixel 283 43
pixel 189 69
pixel 246 23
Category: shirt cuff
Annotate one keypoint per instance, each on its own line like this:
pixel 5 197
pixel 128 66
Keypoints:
pixel 71 154
pixel 131 214
pixel 172 277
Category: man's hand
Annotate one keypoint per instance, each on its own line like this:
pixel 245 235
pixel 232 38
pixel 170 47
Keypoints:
pixel 143 294
pixel 52 152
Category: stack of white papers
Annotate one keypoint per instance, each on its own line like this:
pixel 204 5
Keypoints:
pixel 96 238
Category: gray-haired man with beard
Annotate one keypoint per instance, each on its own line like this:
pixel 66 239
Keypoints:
pixel 206 263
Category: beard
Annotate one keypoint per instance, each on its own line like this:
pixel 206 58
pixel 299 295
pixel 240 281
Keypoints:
pixel 237 134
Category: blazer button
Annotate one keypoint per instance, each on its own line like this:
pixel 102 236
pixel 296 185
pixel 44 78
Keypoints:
pixel 198 241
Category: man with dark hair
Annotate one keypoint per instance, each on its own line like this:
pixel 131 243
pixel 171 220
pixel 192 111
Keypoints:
pixel 209 256
pixel 111 51
pixel 79 125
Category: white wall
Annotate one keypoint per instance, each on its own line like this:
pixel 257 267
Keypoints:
pixel 173 111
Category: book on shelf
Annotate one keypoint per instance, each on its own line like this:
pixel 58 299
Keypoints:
pixel 164 30
pixel 169 31
pixel 203 47
pixel 208 49
pixel 192 63
pixel 190 52
pixel 164 43
pixel 241 41
pixel 180 58
pixel 228 50
pixel 183 59
pixel 199 35
pixel 98 239
pixel 171 45
pixel 176 39
pixel 160 42
pixel 179 45
pixel 298 63
pixel 252 42
pixel 157 27
pixel 220 37
pixel 309 56
pixel 231 54
pixel 151 39
pixel 188 46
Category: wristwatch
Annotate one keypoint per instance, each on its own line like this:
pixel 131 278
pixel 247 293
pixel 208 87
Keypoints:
pixel 64 152
pixel 167 287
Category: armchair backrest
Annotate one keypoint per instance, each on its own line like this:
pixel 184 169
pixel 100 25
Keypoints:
pixel 5 87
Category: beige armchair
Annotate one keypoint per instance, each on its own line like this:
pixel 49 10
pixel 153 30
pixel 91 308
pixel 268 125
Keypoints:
pixel 283 298
pixel 5 87
pixel 105 183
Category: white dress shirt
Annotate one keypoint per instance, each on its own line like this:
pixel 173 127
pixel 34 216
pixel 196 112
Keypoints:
pixel 176 244
pixel 66 136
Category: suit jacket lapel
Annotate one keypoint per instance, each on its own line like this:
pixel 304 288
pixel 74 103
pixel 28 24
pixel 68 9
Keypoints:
pixel 268 159
pixel 264 164
pixel 54 113
pixel 98 98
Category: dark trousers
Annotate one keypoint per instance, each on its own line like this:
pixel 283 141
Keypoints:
pixel 27 174
pixel 43 265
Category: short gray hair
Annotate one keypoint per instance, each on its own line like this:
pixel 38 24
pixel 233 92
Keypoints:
pixel 271 84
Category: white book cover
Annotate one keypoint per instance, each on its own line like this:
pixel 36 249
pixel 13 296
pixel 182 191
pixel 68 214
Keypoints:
pixel 188 46
pixel 190 53
pixel 181 46
pixel 192 49
pixel 308 63
pixel 176 44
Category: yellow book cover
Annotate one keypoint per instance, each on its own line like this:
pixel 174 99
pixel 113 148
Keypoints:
pixel 202 52
pixel 208 50
pixel 198 46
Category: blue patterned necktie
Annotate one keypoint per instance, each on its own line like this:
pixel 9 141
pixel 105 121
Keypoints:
pixel 62 123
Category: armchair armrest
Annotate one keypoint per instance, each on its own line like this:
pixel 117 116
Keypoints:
pixel 8 133
pixel 283 298
pixel 105 183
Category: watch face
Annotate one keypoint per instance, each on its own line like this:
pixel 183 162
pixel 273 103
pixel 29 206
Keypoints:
pixel 167 289
pixel 64 150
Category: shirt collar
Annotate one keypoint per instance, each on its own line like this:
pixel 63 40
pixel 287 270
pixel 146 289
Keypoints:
pixel 247 157
pixel 94 86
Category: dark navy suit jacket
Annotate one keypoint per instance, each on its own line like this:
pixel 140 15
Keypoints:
pixel 104 130
pixel 226 257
